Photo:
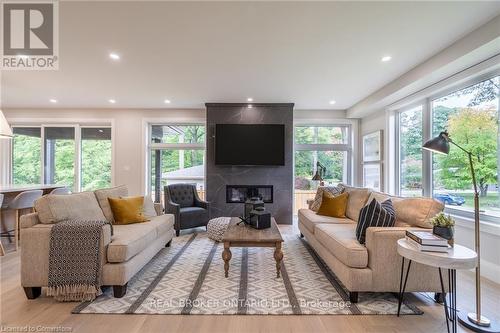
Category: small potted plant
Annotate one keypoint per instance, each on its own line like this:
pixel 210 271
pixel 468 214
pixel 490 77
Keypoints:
pixel 443 226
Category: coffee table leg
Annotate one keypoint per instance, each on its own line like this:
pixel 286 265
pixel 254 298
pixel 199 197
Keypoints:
pixel 278 256
pixel 226 256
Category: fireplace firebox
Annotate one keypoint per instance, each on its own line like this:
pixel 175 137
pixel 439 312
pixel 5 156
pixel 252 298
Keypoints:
pixel 240 193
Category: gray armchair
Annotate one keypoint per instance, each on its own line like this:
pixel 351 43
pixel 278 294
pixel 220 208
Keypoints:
pixel 189 210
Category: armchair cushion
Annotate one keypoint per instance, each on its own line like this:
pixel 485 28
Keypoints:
pixel 182 194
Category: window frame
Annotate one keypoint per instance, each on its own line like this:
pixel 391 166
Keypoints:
pixel 345 147
pixel 77 157
pixel 151 147
pixel 427 175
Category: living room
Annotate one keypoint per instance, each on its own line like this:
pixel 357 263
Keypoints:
pixel 250 166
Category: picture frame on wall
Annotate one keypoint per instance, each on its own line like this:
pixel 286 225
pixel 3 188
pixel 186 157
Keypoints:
pixel 373 147
pixel 372 176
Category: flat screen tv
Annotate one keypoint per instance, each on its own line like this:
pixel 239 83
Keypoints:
pixel 237 144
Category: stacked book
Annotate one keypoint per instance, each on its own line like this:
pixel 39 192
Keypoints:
pixel 427 241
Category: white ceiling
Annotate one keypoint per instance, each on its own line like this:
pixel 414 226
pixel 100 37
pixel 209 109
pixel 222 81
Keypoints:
pixel 197 52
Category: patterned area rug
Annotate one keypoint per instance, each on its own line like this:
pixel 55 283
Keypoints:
pixel 188 278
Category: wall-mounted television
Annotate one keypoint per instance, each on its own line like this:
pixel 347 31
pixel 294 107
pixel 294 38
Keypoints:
pixel 245 144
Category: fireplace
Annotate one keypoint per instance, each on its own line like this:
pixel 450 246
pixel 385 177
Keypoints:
pixel 239 193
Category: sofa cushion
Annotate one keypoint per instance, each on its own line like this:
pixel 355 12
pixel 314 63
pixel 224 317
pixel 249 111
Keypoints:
pixel 358 197
pixel 415 212
pixel 103 195
pixel 309 219
pixel 77 206
pixel 375 214
pixel 333 190
pixel 130 239
pixel 340 240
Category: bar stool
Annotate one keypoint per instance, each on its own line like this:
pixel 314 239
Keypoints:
pixel 60 191
pixel 2 251
pixel 23 200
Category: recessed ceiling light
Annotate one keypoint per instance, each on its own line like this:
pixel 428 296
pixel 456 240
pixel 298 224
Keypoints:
pixel 112 101
pixel 114 56
pixel 386 58
pixel 249 99
pixel 52 100
pixel 167 101
pixel 332 102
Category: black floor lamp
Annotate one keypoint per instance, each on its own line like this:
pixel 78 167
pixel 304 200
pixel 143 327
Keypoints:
pixel 473 321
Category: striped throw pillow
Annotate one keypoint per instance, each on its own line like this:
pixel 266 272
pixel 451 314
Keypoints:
pixel 375 214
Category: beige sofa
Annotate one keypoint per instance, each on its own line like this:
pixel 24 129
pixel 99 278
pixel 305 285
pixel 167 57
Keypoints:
pixel 375 266
pixel 123 254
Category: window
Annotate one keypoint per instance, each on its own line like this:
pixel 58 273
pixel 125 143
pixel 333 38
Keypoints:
pixel 59 157
pixel 26 155
pixel 96 151
pixel 80 164
pixel 471 117
pixel 326 146
pixel 410 152
pixel 177 155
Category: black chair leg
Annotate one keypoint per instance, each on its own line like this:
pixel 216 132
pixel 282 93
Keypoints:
pixel 168 244
pixel 353 296
pixel 177 233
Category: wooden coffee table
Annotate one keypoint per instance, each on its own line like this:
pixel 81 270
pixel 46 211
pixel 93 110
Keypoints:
pixel 243 235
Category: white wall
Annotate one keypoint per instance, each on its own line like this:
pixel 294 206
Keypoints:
pixel 128 133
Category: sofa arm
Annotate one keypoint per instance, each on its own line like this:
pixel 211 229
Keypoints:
pixel 385 262
pixel 35 253
pixel 28 220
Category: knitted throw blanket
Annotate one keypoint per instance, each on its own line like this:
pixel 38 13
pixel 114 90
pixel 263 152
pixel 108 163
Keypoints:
pixel 75 260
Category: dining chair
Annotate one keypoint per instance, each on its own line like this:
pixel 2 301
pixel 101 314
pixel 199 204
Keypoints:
pixel 60 191
pixel 23 200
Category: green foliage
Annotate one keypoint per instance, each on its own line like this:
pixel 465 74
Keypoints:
pixel 476 130
pixel 95 162
pixel 442 220
pixel 26 160
pixel 305 160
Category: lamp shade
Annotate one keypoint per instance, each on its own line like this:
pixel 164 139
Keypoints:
pixel 440 144
pixel 5 131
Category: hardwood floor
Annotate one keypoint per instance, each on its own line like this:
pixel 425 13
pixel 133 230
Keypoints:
pixel 45 313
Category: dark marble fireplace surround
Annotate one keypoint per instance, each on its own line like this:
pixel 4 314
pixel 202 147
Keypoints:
pixel 280 177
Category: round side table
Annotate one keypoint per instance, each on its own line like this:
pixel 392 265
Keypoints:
pixel 458 257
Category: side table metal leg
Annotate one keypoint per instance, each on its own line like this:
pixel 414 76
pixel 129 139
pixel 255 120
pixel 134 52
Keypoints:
pixel 402 290
pixel 454 297
pixel 445 303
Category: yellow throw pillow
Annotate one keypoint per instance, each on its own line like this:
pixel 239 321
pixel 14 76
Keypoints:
pixel 127 210
pixel 334 206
